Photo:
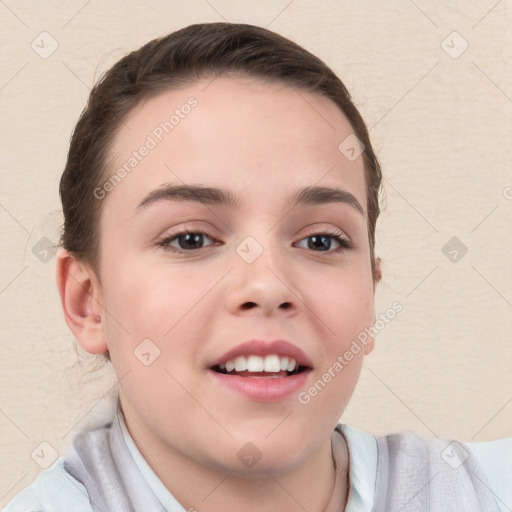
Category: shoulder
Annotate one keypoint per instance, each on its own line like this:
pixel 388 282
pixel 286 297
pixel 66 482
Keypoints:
pixel 485 467
pixel 54 490
pixel 495 458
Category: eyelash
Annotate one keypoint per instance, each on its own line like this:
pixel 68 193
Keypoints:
pixel 337 236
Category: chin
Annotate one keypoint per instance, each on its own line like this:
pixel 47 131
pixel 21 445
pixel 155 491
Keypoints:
pixel 255 456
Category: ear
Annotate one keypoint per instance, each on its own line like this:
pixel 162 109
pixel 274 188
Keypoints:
pixel 369 343
pixel 377 273
pixel 82 302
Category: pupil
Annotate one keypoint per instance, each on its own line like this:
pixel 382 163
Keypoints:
pixel 321 242
pixel 190 241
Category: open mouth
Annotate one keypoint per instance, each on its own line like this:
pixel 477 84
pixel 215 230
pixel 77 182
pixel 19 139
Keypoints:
pixel 271 366
pixel 261 371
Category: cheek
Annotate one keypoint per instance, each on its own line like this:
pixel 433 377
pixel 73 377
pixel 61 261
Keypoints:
pixel 346 310
pixel 152 301
pixel 345 303
pixel 329 392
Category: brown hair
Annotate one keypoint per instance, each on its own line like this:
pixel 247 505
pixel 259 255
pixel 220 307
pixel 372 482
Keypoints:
pixel 181 58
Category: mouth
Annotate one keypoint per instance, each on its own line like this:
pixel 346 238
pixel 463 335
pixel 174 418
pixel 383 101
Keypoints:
pixel 272 366
pixel 262 371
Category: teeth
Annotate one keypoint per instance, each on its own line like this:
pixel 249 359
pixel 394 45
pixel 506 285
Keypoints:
pixel 270 364
pixel 240 364
pixel 255 364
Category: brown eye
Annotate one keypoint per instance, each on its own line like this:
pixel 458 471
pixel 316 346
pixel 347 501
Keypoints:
pixel 185 242
pixel 323 242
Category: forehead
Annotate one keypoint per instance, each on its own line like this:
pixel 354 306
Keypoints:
pixel 241 133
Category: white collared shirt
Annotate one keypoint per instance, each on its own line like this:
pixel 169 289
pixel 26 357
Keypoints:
pixel 55 490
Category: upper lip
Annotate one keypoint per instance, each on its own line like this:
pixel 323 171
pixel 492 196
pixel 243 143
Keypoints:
pixel 263 348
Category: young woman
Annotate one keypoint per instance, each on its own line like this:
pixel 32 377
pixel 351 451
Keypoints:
pixel 220 201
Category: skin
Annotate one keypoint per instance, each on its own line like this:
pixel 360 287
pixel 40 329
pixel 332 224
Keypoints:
pixel 262 141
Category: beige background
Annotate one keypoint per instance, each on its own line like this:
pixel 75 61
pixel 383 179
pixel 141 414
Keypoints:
pixel 442 128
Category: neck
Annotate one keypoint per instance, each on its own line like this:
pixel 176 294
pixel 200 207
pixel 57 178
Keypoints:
pixel 319 484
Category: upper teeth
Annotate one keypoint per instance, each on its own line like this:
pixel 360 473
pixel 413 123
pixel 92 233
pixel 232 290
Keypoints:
pixel 272 363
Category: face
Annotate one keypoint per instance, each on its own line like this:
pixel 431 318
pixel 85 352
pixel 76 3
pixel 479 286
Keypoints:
pixel 194 282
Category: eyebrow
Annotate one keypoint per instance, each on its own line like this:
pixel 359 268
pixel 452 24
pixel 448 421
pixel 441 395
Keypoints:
pixel 311 195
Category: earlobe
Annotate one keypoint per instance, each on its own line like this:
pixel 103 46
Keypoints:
pixel 377 273
pixel 377 277
pixel 80 296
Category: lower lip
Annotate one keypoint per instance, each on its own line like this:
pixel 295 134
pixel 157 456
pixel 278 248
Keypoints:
pixel 262 389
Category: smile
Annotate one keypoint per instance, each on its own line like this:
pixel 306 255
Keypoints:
pixel 262 371
pixel 271 366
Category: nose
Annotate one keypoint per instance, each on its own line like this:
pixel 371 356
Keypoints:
pixel 263 287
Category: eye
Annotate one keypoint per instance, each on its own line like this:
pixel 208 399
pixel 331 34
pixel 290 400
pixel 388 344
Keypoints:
pixel 185 241
pixel 192 241
pixel 323 242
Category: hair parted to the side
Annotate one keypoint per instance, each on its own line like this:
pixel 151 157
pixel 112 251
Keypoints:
pixel 183 57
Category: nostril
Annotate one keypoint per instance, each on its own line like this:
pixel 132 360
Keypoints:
pixel 250 305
